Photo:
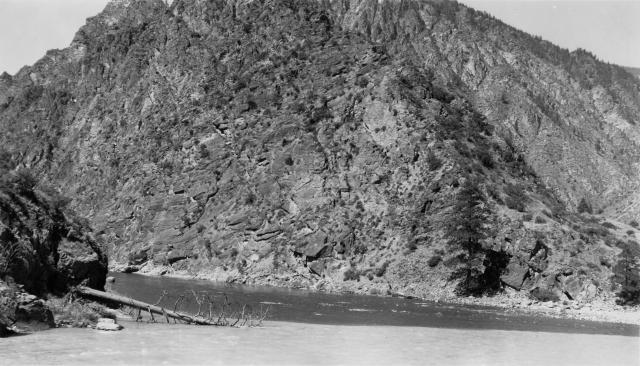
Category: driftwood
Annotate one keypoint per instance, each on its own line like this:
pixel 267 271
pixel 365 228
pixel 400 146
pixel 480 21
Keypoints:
pixel 143 306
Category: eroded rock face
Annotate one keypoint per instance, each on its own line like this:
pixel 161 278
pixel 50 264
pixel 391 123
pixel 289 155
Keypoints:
pixel 278 141
pixel 21 311
pixel 40 247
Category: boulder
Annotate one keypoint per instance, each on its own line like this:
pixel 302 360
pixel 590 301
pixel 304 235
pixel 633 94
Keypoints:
pixel 138 257
pixel 547 289
pixel 21 310
pixel 317 267
pixel 108 325
pixel 34 315
pixel 579 288
pixel 314 246
pixel 79 262
pixel 515 274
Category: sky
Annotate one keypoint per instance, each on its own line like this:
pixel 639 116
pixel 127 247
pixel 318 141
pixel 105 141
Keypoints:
pixel 609 29
pixel 28 28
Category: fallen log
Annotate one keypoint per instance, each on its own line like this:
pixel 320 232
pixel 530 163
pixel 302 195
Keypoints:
pixel 123 300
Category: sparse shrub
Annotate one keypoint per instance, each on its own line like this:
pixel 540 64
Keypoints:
pixel 630 232
pixel 288 161
pixel 597 231
pixel 200 228
pixel 351 274
pixel 462 148
pixel 628 296
pixel 23 181
pixel 434 261
pixel 206 244
pixel 380 271
pixel 584 206
pixel 77 313
pixel 360 249
pixel 634 223
pixel 516 197
pixel 203 151
pixel 412 246
pixel 433 161
pixel 485 158
pixel 362 81
pixel 609 225
pixel 604 261
pixel 250 199
pixel 166 166
pixel 527 217
pixel 493 193
pixel 540 220
pixel 514 204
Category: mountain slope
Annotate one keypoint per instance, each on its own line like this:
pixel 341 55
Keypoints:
pixel 574 118
pixel 318 143
pixel 633 71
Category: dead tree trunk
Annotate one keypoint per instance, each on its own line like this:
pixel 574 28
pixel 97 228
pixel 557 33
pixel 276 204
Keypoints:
pixel 89 292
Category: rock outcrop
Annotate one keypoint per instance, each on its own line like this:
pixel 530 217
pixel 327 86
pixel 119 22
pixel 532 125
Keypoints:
pixel 302 143
pixel 42 251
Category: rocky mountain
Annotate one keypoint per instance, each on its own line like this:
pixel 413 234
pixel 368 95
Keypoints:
pixel 325 144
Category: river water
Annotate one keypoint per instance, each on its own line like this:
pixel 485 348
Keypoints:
pixel 315 328
pixel 321 308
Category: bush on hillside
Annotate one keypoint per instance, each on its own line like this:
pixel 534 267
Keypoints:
pixel 584 206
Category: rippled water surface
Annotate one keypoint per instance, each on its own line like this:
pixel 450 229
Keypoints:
pixel 319 329
pixel 320 308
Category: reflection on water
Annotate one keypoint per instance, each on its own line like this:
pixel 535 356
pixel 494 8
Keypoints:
pixel 312 307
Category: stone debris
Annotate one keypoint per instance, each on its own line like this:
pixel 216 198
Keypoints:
pixel 108 325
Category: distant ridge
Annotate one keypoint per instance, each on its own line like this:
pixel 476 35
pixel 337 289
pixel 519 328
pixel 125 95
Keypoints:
pixel 633 70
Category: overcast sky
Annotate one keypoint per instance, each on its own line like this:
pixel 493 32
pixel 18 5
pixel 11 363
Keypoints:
pixel 610 29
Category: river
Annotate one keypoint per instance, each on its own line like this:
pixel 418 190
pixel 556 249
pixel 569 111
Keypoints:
pixel 314 328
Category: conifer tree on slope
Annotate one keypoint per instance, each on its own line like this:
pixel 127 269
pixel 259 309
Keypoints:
pixel 465 231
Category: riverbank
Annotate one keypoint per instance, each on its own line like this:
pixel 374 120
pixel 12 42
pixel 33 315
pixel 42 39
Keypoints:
pixel 510 301
pixel 284 343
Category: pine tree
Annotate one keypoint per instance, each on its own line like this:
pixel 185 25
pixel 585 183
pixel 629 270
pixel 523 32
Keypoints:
pixel 627 273
pixel 465 231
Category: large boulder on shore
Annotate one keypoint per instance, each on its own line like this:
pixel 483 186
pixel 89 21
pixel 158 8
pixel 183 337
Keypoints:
pixel 108 325
pixel 22 311
pixel 515 274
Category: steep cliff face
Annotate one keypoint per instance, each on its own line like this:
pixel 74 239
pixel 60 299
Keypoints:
pixel 307 143
pixel 42 248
